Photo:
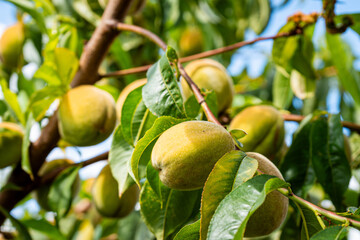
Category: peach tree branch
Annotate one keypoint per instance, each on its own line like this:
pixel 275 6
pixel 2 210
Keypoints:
pixel 203 54
pixel 154 38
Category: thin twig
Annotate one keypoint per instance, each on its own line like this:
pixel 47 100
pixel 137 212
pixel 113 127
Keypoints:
pixel 146 33
pixel 52 175
pixel 320 210
pixel 203 54
pixel 298 118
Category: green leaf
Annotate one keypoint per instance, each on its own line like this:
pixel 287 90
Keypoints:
pixel 296 164
pixel 133 228
pixel 282 94
pixel 211 101
pixel 231 216
pixel 189 232
pixel 328 157
pixel 128 115
pixel 237 133
pixel 192 107
pixel 30 8
pixel 301 86
pixel 25 160
pixel 119 158
pixel 171 54
pixel 12 102
pixel 333 233
pixel 3 107
pixel 166 215
pixel 136 119
pixel 284 48
pixel 161 93
pixel 342 59
pixel 311 223
pixel 260 15
pixel 66 64
pixel 22 230
pixel 152 176
pixel 61 191
pixel 44 227
pixel 84 10
pixel 142 152
pixel 295 52
pixel 41 100
pixel 231 170
pixel 59 67
pixel 122 58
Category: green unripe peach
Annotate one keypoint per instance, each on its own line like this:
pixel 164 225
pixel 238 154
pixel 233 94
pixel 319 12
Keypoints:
pixel 11 44
pixel 210 74
pixel 125 92
pixel 86 231
pixel 264 126
pixel 185 154
pixel 41 194
pixel 191 41
pixel 271 214
pixel 87 116
pixel 106 196
pixel 11 136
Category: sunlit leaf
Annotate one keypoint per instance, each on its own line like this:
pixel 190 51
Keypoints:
pixel 231 216
pixel 161 93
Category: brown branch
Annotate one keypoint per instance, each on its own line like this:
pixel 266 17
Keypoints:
pixel 90 60
pixel 199 97
pixel 298 118
pixel 329 16
pixel 146 33
pixel 52 175
pixel 203 54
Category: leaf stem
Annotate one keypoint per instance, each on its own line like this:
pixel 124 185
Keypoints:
pixel 52 175
pixel 153 37
pixel 318 217
pixel 304 220
pixel 313 207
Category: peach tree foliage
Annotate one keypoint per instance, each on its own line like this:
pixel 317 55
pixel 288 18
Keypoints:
pixel 58 38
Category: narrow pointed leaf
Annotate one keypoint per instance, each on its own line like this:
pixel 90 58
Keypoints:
pixel 25 160
pixel 296 164
pixel 12 102
pixel 161 93
pixel 119 160
pixel 333 233
pixel 44 227
pixel 166 215
pixel 231 170
pixel 189 232
pixel 343 61
pixel 23 232
pixel 328 157
pixel 136 119
pixel 61 191
pixel 30 8
pixel 230 218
